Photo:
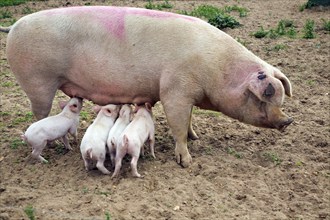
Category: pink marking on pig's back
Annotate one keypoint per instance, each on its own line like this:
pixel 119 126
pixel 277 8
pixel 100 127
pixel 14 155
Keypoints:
pixel 113 18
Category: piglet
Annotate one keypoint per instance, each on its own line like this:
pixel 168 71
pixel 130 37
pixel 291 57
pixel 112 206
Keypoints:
pixel 54 127
pixel 131 141
pixel 93 144
pixel 121 123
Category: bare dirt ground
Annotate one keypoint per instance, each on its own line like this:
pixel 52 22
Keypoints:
pixel 238 171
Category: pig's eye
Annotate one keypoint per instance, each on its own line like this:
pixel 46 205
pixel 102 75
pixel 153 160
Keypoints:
pixel 75 106
pixel 108 110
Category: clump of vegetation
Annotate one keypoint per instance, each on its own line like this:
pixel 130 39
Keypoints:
pixel 5 14
pixel 29 211
pixel 233 152
pixel 326 24
pixel 261 33
pixel 284 28
pixel 273 157
pixel 216 16
pixel 309 29
pixel 151 5
pixel 16 143
pixel 241 10
pixel 222 21
pixel 107 216
pixel 27 10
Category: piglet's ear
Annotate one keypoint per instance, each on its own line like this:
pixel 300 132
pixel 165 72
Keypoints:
pixel 285 81
pixel 62 104
pixel 96 108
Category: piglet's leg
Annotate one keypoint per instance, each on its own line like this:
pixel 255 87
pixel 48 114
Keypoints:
pixel 37 151
pixel 134 166
pixel 120 153
pixel 100 165
pixel 66 142
pixel 152 145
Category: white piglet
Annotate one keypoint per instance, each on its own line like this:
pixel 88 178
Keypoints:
pixel 121 123
pixel 93 144
pixel 131 141
pixel 54 127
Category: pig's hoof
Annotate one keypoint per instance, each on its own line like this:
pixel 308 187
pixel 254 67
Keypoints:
pixel 184 160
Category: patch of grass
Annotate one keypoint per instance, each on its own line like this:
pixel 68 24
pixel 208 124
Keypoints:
pixel 8 84
pixel 85 190
pixel 273 157
pixel 309 29
pixel 280 30
pixel 27 10
pixel 233 152
pixel 279 47
pixel 4 3
pixel 241 10
pixel 29 211
pixel 85 115
pixel 243 42
pixel 291 33
pixel 261 33
pixel 206 11
pixel 222 21
pixel 272 34
pixel 5 14
pixel 16 143
pixel 107 215
pixel 28 117
pixel 151 5
pixel 105 193
pixel 326 24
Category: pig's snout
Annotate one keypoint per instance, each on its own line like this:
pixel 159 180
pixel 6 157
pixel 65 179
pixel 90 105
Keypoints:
pixel 283 125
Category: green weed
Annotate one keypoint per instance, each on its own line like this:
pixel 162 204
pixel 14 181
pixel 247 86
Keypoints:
pixel 261 33
pixel 151 5
pixel 206 11
pixel 27 10
pixel 241 10
pixel 233 152
pixel 309 29
pixel 273 157
pixel 16 143
pixel 5 14
pixel 280 30
pixel 28 117
pixel 326 24
pixel 107 215
pixel 279 47
pixel 85 115
pixel 29 211
pixel 292 33
pixel 222 21
pixel 8 84
pixel 272 34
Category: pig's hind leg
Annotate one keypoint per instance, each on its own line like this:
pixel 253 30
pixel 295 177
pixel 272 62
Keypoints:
pixel 100 164
pixel 36 152
pixel 66 142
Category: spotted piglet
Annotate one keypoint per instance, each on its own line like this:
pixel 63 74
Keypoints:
pixel 121 123
pixel 93 144
pixel 131 141
pixel 54 127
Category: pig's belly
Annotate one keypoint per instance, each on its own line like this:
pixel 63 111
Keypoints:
pixel 103 92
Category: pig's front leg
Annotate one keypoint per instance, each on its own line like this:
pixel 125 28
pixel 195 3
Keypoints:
pixel 178 117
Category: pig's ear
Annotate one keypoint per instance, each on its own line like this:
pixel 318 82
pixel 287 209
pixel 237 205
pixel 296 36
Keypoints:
pixel 285 81
pixel 96 108
pixel 62 104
